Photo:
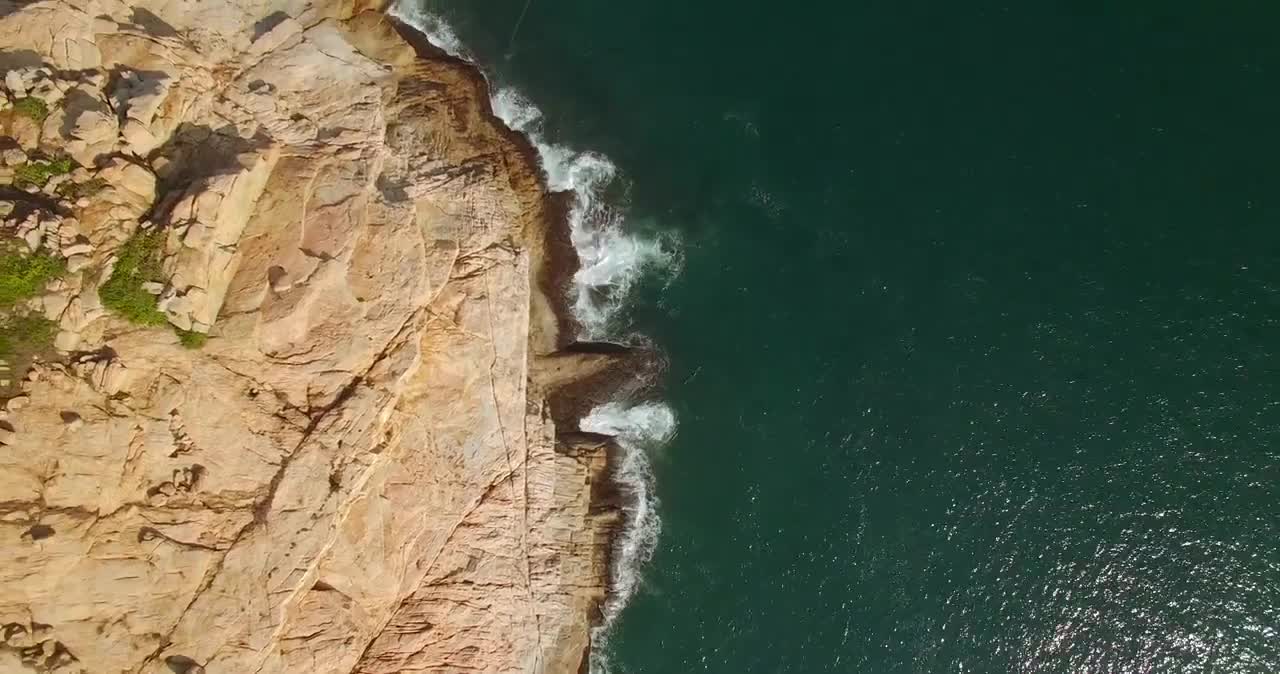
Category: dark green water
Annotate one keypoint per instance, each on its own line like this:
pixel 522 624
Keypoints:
pixel 975 342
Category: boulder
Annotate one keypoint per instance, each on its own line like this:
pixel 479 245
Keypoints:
pixel 13 81
pixel 13 156
pixel 26 132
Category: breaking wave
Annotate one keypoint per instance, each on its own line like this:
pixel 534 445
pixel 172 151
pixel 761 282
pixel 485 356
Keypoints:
pixel 612 260
pixel 637 430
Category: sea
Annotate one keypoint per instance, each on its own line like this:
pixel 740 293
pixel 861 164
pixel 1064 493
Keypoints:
pixel 972 309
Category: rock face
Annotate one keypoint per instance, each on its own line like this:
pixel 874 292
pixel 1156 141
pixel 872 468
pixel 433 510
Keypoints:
pixel 359 471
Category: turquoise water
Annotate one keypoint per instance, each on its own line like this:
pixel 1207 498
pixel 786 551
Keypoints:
pixel 974 338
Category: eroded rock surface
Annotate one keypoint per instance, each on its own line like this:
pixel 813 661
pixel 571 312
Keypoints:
pixel 357 472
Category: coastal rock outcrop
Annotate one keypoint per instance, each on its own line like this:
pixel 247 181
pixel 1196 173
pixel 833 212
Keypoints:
pixel 294 413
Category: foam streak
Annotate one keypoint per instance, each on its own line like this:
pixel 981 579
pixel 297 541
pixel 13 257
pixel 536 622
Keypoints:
pixel 637 429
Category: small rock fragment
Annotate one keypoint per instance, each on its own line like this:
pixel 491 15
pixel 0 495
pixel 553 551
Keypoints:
pixel 279 278
pixel 33 239
pixel 14 156
pixel 16 635
pixel 13 82
pixel 72 420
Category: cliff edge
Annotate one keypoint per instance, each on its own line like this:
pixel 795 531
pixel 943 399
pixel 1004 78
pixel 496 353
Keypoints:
pixel 276 354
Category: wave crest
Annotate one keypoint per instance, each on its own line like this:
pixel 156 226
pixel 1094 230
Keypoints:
pixel 611 258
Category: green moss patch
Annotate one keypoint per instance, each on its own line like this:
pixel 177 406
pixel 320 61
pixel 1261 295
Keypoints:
pixel 32 107
pixel 24 339
pixel 138 262
pixel 23 276
pixel 39 172
pixel 88 188
pixel 25 334
pixel 191 339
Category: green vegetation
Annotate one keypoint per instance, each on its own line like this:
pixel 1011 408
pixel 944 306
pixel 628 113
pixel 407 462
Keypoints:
pixel 88 188
pixel 138 262
pixel 39 172
pixel 25 334
pixel 23 275
pixel 32 107
pixel 191 339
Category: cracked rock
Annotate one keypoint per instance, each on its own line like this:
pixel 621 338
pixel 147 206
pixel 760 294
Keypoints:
pixel 363 471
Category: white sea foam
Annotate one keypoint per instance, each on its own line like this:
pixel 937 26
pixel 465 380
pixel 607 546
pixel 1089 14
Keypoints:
pixel 643 425
pixel 437 32
pixel 638 429
pixel 612 260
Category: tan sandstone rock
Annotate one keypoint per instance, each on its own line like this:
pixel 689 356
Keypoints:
pixel 360 470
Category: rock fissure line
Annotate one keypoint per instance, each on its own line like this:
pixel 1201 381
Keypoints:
pixel 327 482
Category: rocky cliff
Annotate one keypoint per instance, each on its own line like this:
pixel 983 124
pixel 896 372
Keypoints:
pixel 278 362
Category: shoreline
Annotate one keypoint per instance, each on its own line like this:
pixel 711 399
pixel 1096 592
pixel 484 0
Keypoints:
pixel 356 406
pixel 554 257
pixel 572 376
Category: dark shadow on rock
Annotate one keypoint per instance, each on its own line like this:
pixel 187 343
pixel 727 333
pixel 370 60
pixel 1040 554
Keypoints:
pixel 8 7
pixel 181 664
pixel 12 59
pixel 264 26
pixel 392 190
pixel 25 202
pixel 633 373
pixel 556 276
pixel 262 87
pixel 39 532
pixel 104 354
pixel 74 104
pixel 277 276
pixel 124 84
pixel 197 153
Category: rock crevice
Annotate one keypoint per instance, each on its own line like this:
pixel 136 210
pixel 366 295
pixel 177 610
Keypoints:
pixel 336 445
